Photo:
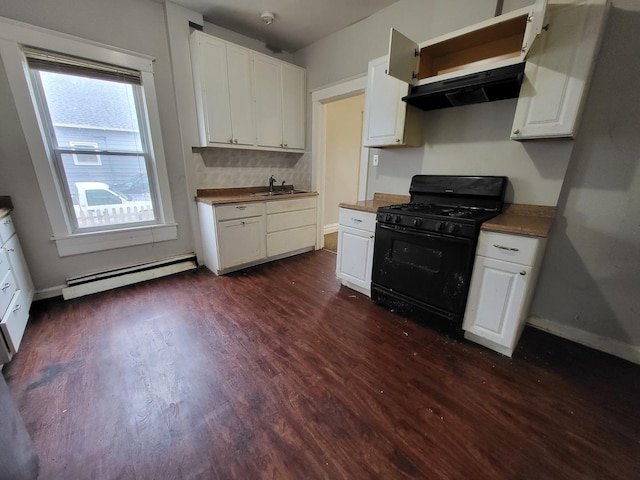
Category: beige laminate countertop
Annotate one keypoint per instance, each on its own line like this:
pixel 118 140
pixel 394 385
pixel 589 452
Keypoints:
pixel 521 219
pixel 220 196
pixel 5 206
pixel 379 200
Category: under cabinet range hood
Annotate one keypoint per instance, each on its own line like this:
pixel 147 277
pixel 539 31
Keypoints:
pixel 488 86
pixel 480 63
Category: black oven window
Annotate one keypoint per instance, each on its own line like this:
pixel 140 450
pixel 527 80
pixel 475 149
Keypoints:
pixel 416 256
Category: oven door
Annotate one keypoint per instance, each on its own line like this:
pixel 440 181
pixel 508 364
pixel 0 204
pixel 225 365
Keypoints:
pixel 429 267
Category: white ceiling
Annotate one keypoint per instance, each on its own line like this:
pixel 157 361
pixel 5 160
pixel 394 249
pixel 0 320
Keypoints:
pixel 297 23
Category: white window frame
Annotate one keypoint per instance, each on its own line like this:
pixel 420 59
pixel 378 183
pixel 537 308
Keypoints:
pixel 13 35
pixel 87 145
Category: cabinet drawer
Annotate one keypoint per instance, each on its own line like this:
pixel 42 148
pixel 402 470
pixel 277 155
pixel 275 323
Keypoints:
pixel 288 220
pixel 239 210
pixel 290 240
pixel 6 229
pixel 14 322
pixel 511 248
pixel 279 206
pixel 7 288
pixel 358 219
pixel 4 263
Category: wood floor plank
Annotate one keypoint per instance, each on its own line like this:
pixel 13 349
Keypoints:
pixel 278 372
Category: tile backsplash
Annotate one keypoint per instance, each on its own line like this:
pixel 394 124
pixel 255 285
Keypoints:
pixel 227 167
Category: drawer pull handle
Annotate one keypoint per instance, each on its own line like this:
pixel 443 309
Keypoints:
pixel 7 222
pixel 241 207
pixel 18 307
pixel 6 285
pixel 11 249
pixel 357 220
pixel 523 272
pixel 509 249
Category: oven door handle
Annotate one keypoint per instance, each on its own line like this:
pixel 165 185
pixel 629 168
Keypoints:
pixel 415 233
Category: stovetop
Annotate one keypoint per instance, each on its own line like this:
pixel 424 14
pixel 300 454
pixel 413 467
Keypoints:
pixel 452 212
pixel 459 221
pixel 448 204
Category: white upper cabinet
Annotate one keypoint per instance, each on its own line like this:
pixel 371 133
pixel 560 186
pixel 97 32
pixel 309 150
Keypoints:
pixel 293 106
pixel 267 88
pixel 558 71
pixel 279 91
pixel 223 91
pixel 245 99
pixel 388 121
pixel 497 42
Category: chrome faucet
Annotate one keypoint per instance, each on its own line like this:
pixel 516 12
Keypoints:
pixel 272 180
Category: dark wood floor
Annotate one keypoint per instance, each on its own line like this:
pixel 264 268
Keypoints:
pixel 278 372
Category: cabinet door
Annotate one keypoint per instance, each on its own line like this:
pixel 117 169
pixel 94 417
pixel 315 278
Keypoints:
pixel 241 241
pixel 293 106
pixel 496 302
pixel 240 98
pixel 558 71
pixel 212 89
pixel 267 90
pixel 402 62
pixel 355 256
pixel 385 112
pixel 20 269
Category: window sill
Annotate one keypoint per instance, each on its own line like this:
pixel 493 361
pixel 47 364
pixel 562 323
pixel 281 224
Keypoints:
pixel 98 241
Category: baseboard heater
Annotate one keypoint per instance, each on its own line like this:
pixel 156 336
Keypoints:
pixel 110 279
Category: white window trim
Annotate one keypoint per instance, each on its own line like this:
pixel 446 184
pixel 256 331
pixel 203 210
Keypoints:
pixel 13 35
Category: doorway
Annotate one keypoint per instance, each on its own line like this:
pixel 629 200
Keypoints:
pixel 343 142
pixel 327 176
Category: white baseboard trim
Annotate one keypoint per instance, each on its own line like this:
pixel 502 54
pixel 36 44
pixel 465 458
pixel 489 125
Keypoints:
pixel 331 228
pixel 48 293
pixel 604 344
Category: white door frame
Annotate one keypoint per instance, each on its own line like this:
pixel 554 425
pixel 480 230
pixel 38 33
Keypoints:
pixel 319 99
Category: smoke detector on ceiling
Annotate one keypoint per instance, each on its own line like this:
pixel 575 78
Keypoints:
pixel 267 17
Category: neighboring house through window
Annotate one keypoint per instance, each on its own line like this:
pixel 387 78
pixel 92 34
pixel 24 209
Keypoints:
pixel 94 114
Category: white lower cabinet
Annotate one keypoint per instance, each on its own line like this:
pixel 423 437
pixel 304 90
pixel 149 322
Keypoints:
pixel 238 235
pixel 356 235
pixel 16 291
pixel 241 241
pixel 502 284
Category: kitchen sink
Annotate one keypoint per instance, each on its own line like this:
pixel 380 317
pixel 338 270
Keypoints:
pixel 279 193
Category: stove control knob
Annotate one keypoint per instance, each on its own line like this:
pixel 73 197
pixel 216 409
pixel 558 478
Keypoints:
pixel 417 222
pixel 440 226
pixel 398 219
pixel 387 217
pixel 452 228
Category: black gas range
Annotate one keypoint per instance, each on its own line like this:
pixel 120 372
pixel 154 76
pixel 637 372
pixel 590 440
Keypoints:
pixel 424 250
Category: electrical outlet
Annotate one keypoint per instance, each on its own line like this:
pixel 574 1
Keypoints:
pixel 376 160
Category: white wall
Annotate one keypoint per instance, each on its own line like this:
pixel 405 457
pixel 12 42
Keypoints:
pixel 591 272
pixel 470 140
pixel 134 25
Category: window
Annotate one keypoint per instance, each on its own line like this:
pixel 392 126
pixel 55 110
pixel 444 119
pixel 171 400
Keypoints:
pixel 77 98
pixel 76 137
pixel 85 159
